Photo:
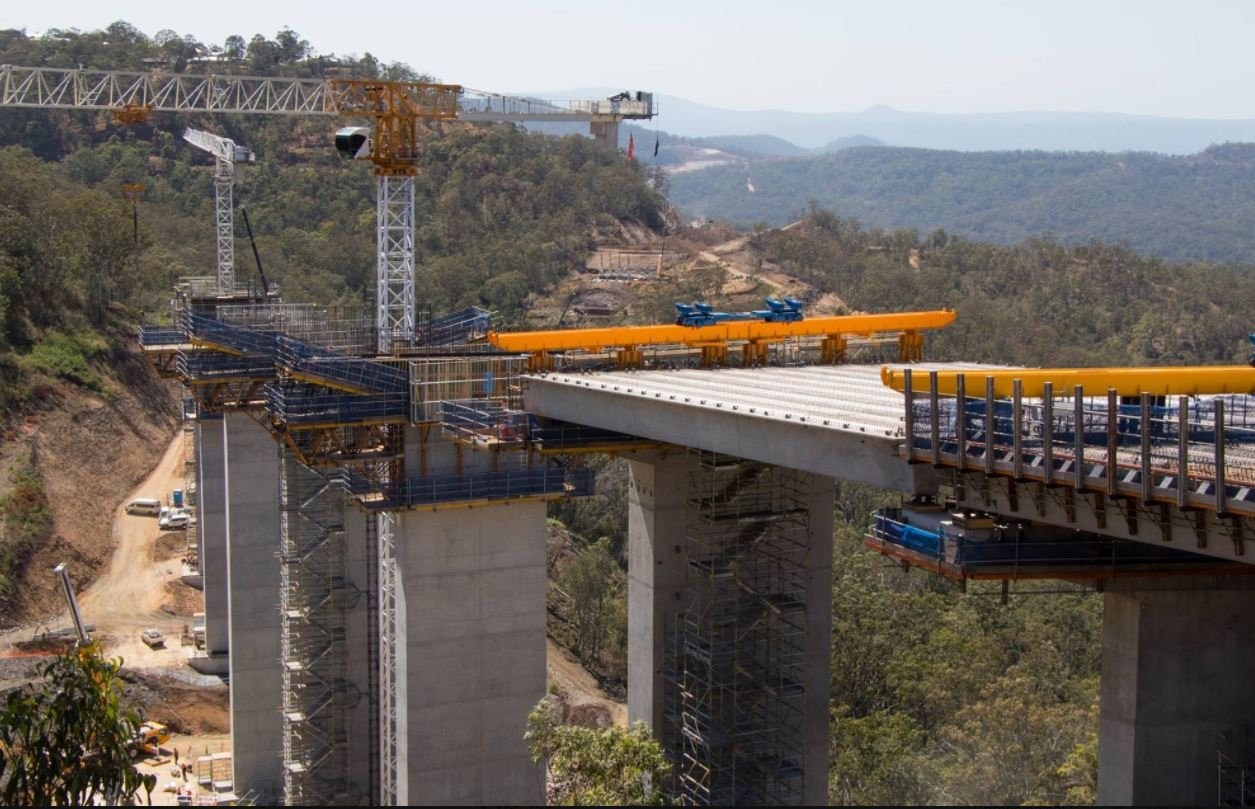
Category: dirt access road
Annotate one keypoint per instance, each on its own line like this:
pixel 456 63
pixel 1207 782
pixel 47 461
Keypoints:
pixel 128 596
pixel 142 574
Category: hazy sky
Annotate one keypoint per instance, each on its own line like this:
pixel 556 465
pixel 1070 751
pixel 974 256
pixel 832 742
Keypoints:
pixel 1158 57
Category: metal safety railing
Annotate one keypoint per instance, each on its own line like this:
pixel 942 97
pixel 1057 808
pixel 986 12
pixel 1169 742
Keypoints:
pixel 326 367
pixel 1192 452
pixel 484 421
pixel 449 489
pixel 208 365
pixel 152 336
pixel 308 405
pixel 208 330
pixel 462 326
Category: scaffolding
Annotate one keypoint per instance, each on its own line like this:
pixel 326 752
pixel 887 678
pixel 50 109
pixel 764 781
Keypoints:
pixel 734 704
pixel 434 381
pixel 467 325
pixel 314 597
pixel 340 413
pixel 346 331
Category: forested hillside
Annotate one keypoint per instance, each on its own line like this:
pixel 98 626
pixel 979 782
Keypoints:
pixel 937 696
pixel 501 213
pixel 1179 208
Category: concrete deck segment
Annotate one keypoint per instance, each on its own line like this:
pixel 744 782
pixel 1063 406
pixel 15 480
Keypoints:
pixel 830 420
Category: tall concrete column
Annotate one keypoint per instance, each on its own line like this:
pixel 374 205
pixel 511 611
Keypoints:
pixel 358 628
pixel 1178 656
pixel 718 512
pixel 657 562
pixel 818 667
pixel 472 602
pixel 211 528
pixel 252 530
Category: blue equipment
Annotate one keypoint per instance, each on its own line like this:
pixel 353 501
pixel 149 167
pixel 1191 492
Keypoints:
pixel 788 310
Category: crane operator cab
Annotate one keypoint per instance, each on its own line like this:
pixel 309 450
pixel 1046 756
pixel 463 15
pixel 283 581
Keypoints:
pixel 354 142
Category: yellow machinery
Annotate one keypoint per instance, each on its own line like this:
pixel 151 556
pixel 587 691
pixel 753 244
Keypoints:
pixel 150 737
pixel 1175 381
pixel 754 337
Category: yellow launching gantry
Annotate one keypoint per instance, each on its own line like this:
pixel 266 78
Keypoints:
pixel 1166 381
pixel 753 336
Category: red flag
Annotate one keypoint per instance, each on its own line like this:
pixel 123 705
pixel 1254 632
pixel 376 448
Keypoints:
pixel 631 147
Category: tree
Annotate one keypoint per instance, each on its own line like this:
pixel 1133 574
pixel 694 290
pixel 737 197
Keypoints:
pixel 234 47
pixel 587 767
pixel 69 740
pixel 590 582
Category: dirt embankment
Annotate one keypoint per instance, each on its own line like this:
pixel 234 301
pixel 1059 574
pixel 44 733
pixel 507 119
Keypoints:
pixel 90 449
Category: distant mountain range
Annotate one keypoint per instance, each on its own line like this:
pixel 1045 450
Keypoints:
pixel 1198 207
pixel 1049 131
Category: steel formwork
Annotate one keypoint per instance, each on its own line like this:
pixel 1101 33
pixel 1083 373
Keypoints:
pixel 734 704
pixel 314 599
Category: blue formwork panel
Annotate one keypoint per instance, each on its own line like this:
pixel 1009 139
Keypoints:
pixel 153 336
pixel 303 406
pixel 338 370
pixel 239 338
pixel 205 365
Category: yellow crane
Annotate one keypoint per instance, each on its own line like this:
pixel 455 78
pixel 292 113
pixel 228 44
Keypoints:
pixel 394 109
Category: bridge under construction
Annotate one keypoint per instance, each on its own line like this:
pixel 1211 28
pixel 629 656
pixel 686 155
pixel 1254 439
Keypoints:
pixel 372 492
pixel 372 533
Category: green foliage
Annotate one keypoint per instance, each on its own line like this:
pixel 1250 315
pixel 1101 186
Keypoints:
pixel 65 357
pixel 877 761
pixel 593 584
pixel 503 214
pixel 1196 208
pixel 944 697
pixel 587 767
pixel 1038 303
pixel 27 521
pixel 68 741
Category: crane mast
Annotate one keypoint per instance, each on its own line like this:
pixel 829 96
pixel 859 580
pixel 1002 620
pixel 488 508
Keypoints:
pixel 391 143
pixel 226 154
pixel 394 109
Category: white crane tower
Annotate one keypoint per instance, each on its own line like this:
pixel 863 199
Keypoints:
pixel 226 154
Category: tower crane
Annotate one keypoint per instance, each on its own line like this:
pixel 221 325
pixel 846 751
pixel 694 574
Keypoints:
pixel 391 143
pixel 226 154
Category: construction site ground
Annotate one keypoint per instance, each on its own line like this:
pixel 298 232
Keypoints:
pixel 141 586
pixel 635 276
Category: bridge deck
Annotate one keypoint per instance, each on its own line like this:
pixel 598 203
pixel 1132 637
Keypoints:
pixel 831 420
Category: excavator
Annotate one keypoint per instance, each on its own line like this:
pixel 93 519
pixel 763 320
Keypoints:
pixel 151 735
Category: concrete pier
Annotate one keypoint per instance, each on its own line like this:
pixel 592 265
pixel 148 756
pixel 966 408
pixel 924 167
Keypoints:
pixel 699 530
pixel 363 748
pixel 657 563
pixel 252 530
pixel 472 596
pixel 1176 674
pixel 211 528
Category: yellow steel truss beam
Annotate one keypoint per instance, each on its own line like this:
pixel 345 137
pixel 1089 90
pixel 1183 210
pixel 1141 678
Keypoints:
pixel 631 337
pixel 1177 381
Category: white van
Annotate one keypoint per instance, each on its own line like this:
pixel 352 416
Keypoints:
pixel 148 506
pixel 177 521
